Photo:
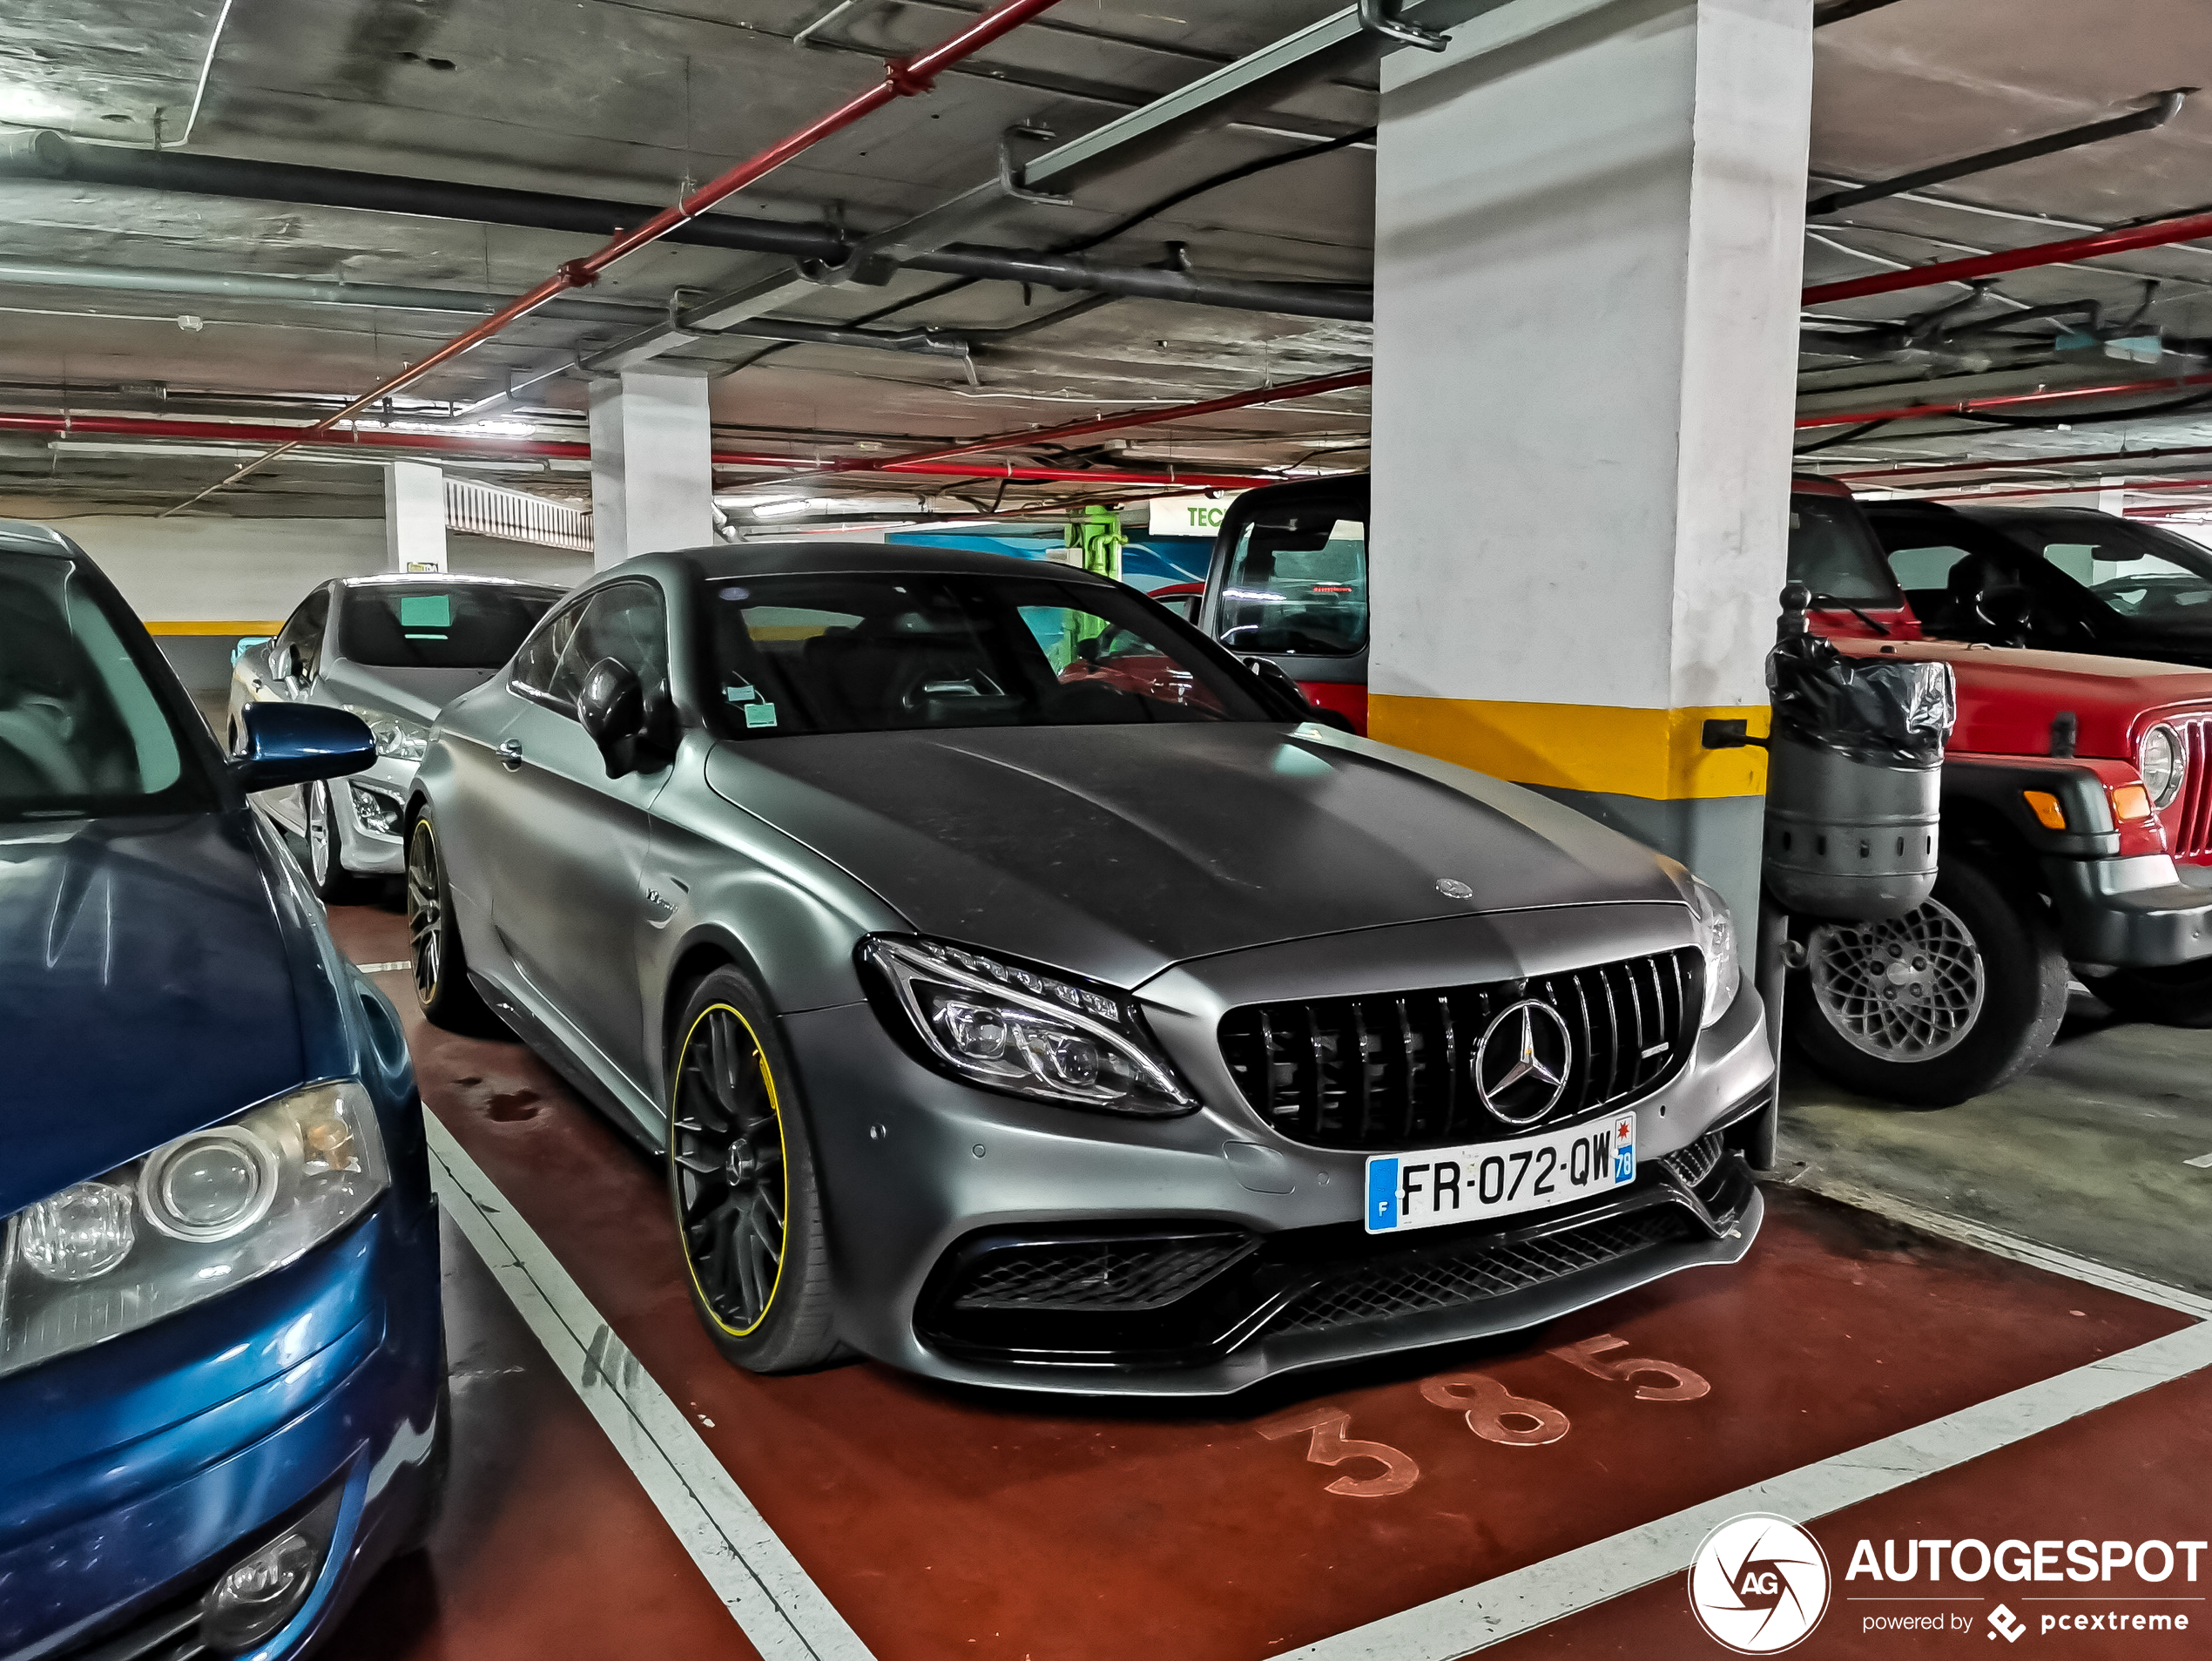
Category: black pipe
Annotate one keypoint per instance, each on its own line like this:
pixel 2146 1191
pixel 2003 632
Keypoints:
pixel 50 155
pixel 2158 114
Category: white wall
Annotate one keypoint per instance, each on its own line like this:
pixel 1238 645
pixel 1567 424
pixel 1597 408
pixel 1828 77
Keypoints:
pixel 209 570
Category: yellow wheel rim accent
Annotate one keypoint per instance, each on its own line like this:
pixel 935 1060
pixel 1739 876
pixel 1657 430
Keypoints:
pixel 718 1141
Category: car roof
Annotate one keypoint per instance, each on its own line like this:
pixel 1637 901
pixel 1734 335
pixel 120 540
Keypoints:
pixel 446 579
pixel 806 558
pixel 1814 484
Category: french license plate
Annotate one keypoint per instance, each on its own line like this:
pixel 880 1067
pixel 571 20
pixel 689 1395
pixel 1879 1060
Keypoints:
pixel 1441 1185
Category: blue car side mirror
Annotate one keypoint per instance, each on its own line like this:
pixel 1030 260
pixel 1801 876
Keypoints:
pixel 289 744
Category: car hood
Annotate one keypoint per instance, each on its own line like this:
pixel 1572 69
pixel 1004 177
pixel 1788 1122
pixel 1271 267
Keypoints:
pixel 147 988
pixel 418 694
pixel 1117 851
pixel 2008 696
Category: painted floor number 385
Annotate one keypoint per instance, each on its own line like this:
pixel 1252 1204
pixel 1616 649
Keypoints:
pixel 1494 1413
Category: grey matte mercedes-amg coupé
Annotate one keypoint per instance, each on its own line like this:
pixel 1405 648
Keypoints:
pixel 1022 991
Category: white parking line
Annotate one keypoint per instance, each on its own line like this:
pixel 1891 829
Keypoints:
pixel 385 968
pixel 2202 1162
pixel 773 1601
pixel 788 1618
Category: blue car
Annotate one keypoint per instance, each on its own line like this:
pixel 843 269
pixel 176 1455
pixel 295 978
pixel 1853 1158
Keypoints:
pixel 221 1370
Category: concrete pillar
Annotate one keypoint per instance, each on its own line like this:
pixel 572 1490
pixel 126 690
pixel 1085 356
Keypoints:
pixel 652 474
pixel 1589 223
pixel 415 516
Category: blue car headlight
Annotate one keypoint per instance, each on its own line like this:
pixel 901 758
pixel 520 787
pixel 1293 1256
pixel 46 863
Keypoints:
pixel 187 1222
pixel 1047 1038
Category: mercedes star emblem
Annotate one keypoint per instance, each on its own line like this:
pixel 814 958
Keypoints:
pixel 1522 1061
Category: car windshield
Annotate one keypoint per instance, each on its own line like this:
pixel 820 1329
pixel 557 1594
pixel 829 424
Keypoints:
pixel 2142 572
pixel 1297 585
pixel 877 651
pixel 1832 551
pixel 436 625
pixel 82 732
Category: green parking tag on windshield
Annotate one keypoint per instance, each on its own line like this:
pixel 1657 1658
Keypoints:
pixel 759 714
pixel 426 610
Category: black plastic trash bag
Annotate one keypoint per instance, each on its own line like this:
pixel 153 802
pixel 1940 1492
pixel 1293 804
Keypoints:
pixel 1882 711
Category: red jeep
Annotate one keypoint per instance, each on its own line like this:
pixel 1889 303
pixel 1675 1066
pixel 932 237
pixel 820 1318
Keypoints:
pixel 2077 803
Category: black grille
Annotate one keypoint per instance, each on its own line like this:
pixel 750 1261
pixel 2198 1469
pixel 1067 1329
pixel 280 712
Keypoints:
pixel 1412 1285
pixel 1391 1070
pixel 1125 1275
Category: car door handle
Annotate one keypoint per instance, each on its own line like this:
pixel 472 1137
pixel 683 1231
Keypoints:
pixel 510 754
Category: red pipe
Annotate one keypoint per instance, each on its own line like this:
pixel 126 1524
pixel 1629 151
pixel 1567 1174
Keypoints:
pixel 1922 412
pixel 2020 461
pixel 2043 253
pixel 2053 490
pixel 461 444
pixel 902 77
pixel 1108 423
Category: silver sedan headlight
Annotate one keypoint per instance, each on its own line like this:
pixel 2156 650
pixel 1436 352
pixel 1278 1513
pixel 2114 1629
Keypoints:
pixel 395 735
pixel 187 1222
pixel 1717 939
pixel 2162 765
pixel 1012 1028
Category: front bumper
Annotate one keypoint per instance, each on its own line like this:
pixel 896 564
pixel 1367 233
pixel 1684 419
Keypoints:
pixel 140 1470
pixel 922 1177
pixel 363 848
pixel 2144 912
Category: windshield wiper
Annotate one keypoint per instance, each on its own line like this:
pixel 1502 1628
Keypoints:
pixel 1830 603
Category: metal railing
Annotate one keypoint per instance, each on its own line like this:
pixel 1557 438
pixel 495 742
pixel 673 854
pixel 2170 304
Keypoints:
pixel 515 515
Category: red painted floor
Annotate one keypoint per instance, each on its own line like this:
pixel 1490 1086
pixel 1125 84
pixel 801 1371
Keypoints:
pixel 944 1523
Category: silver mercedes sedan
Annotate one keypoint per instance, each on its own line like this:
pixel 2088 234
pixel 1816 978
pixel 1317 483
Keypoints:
pixel 1019 990
pixel 391 650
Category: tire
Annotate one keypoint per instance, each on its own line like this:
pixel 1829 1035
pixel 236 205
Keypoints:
pixel 442 991
pixel 1985 1008
pixel 326 873
pixel 2180 997
pixel 741 1185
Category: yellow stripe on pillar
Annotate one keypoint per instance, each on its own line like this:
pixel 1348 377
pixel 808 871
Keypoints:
pixel 1656 753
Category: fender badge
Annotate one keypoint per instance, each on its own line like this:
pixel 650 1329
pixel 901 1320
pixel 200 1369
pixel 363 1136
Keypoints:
pixel 1452 888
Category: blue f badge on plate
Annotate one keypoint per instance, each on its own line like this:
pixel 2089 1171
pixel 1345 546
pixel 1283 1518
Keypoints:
pixel 1382 1194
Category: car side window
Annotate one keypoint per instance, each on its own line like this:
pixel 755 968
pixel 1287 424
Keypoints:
pixel 624 621
pixel 1924 568
pixel 303 630
pixel 541 655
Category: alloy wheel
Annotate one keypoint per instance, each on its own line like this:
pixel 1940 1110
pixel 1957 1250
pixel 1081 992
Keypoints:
pixel 425 913
pixel 319 831
pixel 1906 989
pixel 726 1145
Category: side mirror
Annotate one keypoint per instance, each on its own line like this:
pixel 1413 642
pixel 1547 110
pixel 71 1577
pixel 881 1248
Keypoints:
pixel 1283 692
pixel 285 662
pixel 622 719
pixel 289 744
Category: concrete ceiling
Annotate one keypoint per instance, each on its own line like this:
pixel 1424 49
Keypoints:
pixel 619 99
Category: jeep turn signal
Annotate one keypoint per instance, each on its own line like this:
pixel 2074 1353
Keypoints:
pixel 2129 803
pixel 2045 807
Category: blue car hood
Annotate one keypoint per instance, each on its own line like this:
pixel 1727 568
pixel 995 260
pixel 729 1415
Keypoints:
pixel 153 979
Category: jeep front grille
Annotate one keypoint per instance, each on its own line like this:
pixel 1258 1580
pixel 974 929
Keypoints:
pixel 1391 1070
pixel 2189 817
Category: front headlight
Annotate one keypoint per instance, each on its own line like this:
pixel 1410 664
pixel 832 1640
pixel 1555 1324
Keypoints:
pixel 1717 939
pixel 2162 765
pixel 395 735
pixel 192 1220
pixel 1011 1029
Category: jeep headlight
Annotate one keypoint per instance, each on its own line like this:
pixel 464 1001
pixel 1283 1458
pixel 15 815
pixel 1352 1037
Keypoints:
pixel 189 1221
pixel 2162 765
pixel 395 735
pixel 1007 1028
pixel 1717 939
